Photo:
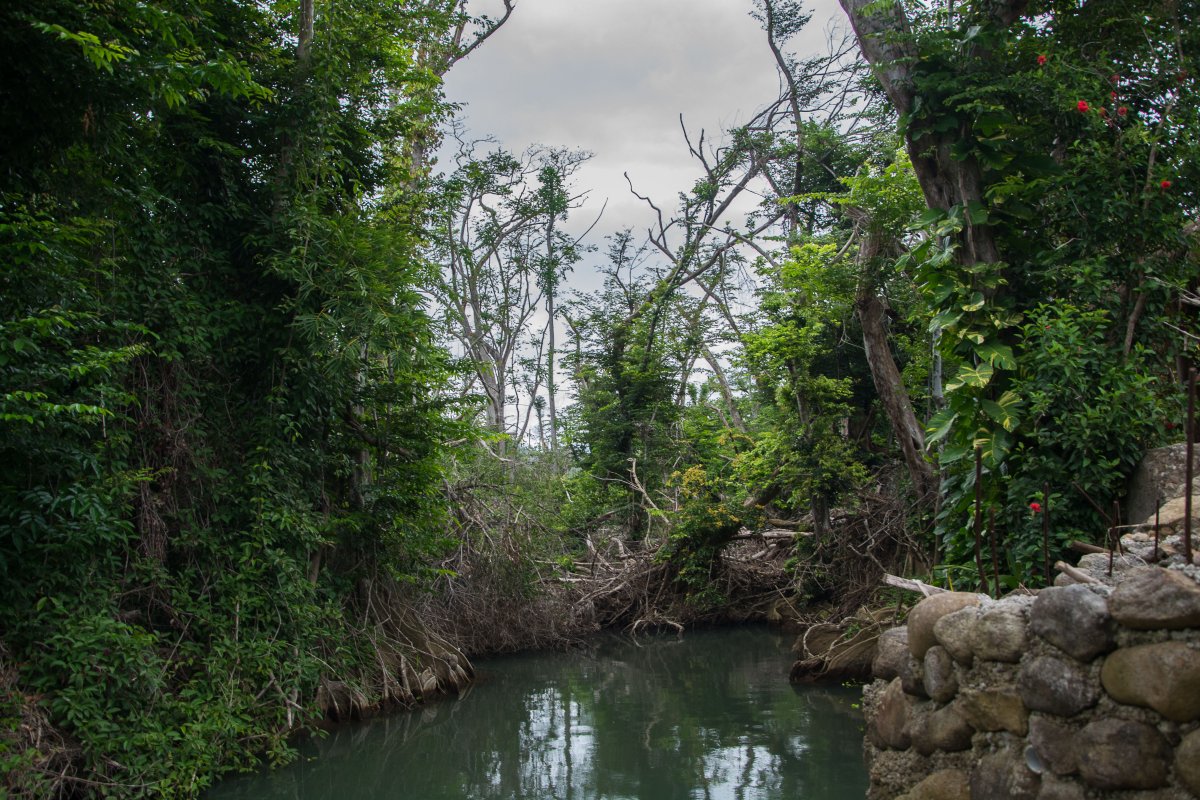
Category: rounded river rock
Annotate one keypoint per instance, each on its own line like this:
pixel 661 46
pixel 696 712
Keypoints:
pixel 939 680
pixel 1187 762
pixel 1053 743
pixel 889 728
pixel 1074 619
pixel 891 652
pixel 995 709
pixel 946 784
pixel 1057 686
pixel 945 729
pixel 954 632
pixel 999 633
pixel 1122 754
pixel 1153 597
pixel 1003 776
pixel 1163 676
pixel 925 613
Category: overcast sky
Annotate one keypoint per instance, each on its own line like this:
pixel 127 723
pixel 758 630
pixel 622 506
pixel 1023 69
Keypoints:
pixel 612 77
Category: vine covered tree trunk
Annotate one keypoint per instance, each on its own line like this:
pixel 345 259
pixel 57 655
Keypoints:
pixel 892 394
pixel 886 42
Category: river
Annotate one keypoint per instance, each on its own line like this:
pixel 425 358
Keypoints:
pixel 710 715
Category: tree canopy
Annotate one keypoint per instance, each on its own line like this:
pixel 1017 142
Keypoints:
pixel 291 415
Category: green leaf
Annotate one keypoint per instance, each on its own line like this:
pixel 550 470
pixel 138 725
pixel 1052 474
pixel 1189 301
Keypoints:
pixel 946 319
pixel 1039 164
pixel 1010 400
pixel 994 445
pixel 997 354
pixel 928 217
pixel 977 213
pixel 953 453
pixel 976 302
pixel 989 123
pixel 939 426
pixel 1005 416
pixel 974 377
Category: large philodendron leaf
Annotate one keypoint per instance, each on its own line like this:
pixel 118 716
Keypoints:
pixel 976 377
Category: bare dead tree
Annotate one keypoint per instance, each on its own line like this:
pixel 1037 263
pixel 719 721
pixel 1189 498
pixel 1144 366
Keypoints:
pixel 490 243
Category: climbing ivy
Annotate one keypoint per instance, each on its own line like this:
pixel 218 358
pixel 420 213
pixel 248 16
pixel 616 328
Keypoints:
pixel 219 413
pixel 1060 354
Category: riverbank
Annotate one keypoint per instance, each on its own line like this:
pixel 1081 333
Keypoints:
pixel 654 716
pixel 613 584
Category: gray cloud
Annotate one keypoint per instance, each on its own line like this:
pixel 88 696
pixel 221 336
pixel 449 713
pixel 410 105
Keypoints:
pixel 612 77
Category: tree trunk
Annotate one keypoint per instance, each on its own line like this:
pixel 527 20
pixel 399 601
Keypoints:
pixel 491 378
pixel 289 138
pixel 551 290
pixel 820 514
pixel 791 210
pixel 892 394
pixel 731 408
pixel 876 343
pixel 304 45
pixel 886 42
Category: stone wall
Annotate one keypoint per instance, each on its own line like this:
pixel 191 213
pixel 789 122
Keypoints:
pixel 1081 691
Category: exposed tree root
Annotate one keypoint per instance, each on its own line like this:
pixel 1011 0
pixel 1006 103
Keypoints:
pixel 412 662
pixel 619 584
pixel 841 650
pixel 866 542
pixel 843 579
pixel 639 590
pixel 39 761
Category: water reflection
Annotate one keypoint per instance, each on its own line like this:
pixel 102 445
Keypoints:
pixel 711 716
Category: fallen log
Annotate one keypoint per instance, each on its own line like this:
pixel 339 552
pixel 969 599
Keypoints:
pixel 772 534
pixel 912 585
pixel 1076 574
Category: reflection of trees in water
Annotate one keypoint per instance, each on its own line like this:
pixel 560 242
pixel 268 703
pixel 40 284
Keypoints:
pixel 707 717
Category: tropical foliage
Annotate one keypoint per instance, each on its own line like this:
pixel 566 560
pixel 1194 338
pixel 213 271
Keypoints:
pixel 279 406
pixel 217 385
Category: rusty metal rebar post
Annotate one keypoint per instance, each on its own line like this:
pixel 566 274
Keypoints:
pixel 1190 428
pixel 1046 532
pixel 1157 509
pixel 1113 542
pixel 1120 548
pixel 995 554
pixel 983 581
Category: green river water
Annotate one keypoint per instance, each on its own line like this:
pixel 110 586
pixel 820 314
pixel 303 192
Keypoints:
pixel 708 716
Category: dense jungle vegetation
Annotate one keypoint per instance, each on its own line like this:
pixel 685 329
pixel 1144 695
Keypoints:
pixel 293 419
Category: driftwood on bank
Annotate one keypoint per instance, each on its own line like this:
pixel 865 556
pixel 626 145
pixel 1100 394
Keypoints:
pixel 1076 574
pixel 770 535
pixel 1072 572
pixel 912 585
